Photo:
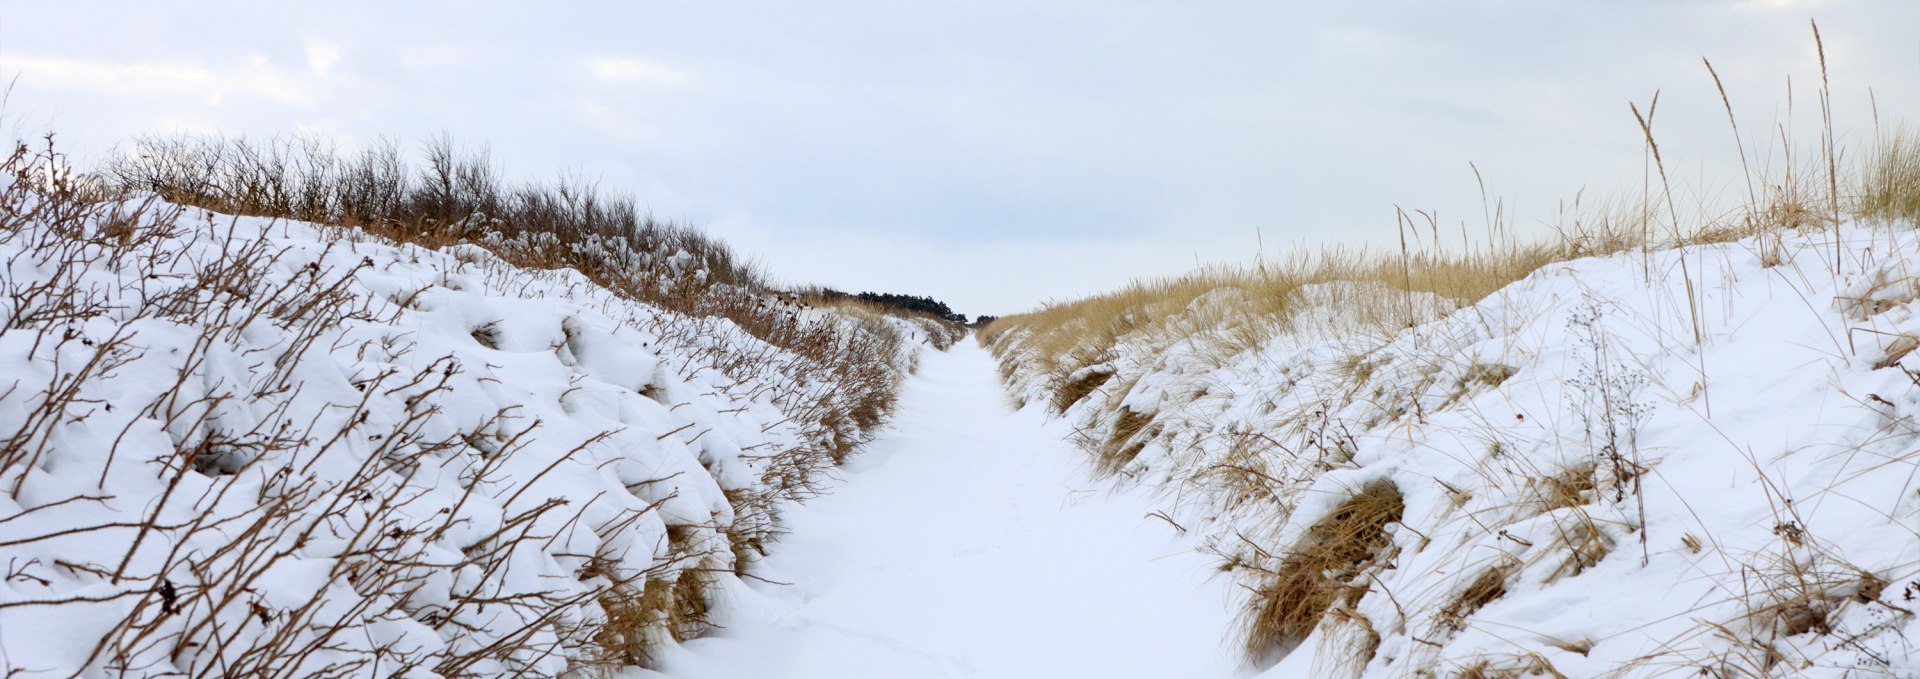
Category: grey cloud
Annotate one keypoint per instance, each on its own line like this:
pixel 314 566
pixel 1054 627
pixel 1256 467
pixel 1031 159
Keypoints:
pixel 937 147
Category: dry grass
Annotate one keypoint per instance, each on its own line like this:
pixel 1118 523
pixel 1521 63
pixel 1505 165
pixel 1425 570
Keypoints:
pixel 1224 312
pixel 1327 567
pixel 458 196
pixel 1513 666
pixel 642 620
pixel 1489 586
pixel 1077 387
pixel 1580 541
pixel 190 602
pixel 1349 642
pixel 1571 487
pixel 1071 336
pixel 1263 301
pixel 1890 180
pixel 833 376
pixel 1128 436
pixel 1227 321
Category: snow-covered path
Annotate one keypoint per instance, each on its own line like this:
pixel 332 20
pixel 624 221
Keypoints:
pixel 971 542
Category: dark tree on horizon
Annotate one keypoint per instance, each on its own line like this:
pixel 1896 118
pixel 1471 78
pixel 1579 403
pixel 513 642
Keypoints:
pixel 916 303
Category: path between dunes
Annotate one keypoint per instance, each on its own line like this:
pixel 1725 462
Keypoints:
pixel 970 541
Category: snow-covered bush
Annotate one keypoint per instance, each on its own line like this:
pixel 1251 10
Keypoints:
pixel 235 446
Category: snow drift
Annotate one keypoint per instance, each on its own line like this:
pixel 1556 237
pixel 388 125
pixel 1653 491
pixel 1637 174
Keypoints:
pixel 1690 461
pixel 234 446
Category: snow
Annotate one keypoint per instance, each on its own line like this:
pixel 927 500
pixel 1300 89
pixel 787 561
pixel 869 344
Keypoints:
pixel 969 541
pixel 241 447
pixel 253 448
pixel 1769 531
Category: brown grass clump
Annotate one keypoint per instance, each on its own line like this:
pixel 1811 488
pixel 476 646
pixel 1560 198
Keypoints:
pixel 1348 644
pixel 1487 375
pixel 1485 589
pixel 1075 389
pixel 1325 568
pixel 1802 588
pixel 626 637
pixel 1583 540
pixel 641 620
pixel 1478 377
pixel 1569 488
pixel 686 603
pixel 1519 666
pixel 661 607
pixel 1126 441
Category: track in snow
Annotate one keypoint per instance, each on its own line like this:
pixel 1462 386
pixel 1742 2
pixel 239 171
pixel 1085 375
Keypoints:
pixel 969 541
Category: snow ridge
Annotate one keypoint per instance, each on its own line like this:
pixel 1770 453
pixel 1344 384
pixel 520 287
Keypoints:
pixel 241 447
pixel 1583 488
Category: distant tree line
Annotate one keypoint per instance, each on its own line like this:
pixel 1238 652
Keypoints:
pixel 917 303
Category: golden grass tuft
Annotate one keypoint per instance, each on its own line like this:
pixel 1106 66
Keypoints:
pixel 1325 568
pixel 1478 377
pixel 1890 181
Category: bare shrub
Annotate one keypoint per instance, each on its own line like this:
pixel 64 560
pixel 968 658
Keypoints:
pixel 424 543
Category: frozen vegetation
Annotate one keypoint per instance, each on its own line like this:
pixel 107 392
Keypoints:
pixel 1696 460
pixel 271 410
pixel 238 446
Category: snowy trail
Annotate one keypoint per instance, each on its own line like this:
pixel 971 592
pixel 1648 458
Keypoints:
pixel 970 542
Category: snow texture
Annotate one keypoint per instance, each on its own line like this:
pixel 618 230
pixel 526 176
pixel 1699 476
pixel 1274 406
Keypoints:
pixel 969 541
pixel 1632 500
pixel 235 447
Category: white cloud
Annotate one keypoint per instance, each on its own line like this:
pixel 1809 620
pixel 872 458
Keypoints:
pixel 930 148
pixel 257 78
pixel 637 71
pixel 613 122
pixel 321 56
pixel 422 57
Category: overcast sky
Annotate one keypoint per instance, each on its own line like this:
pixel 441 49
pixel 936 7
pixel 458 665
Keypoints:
pixel 993 154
